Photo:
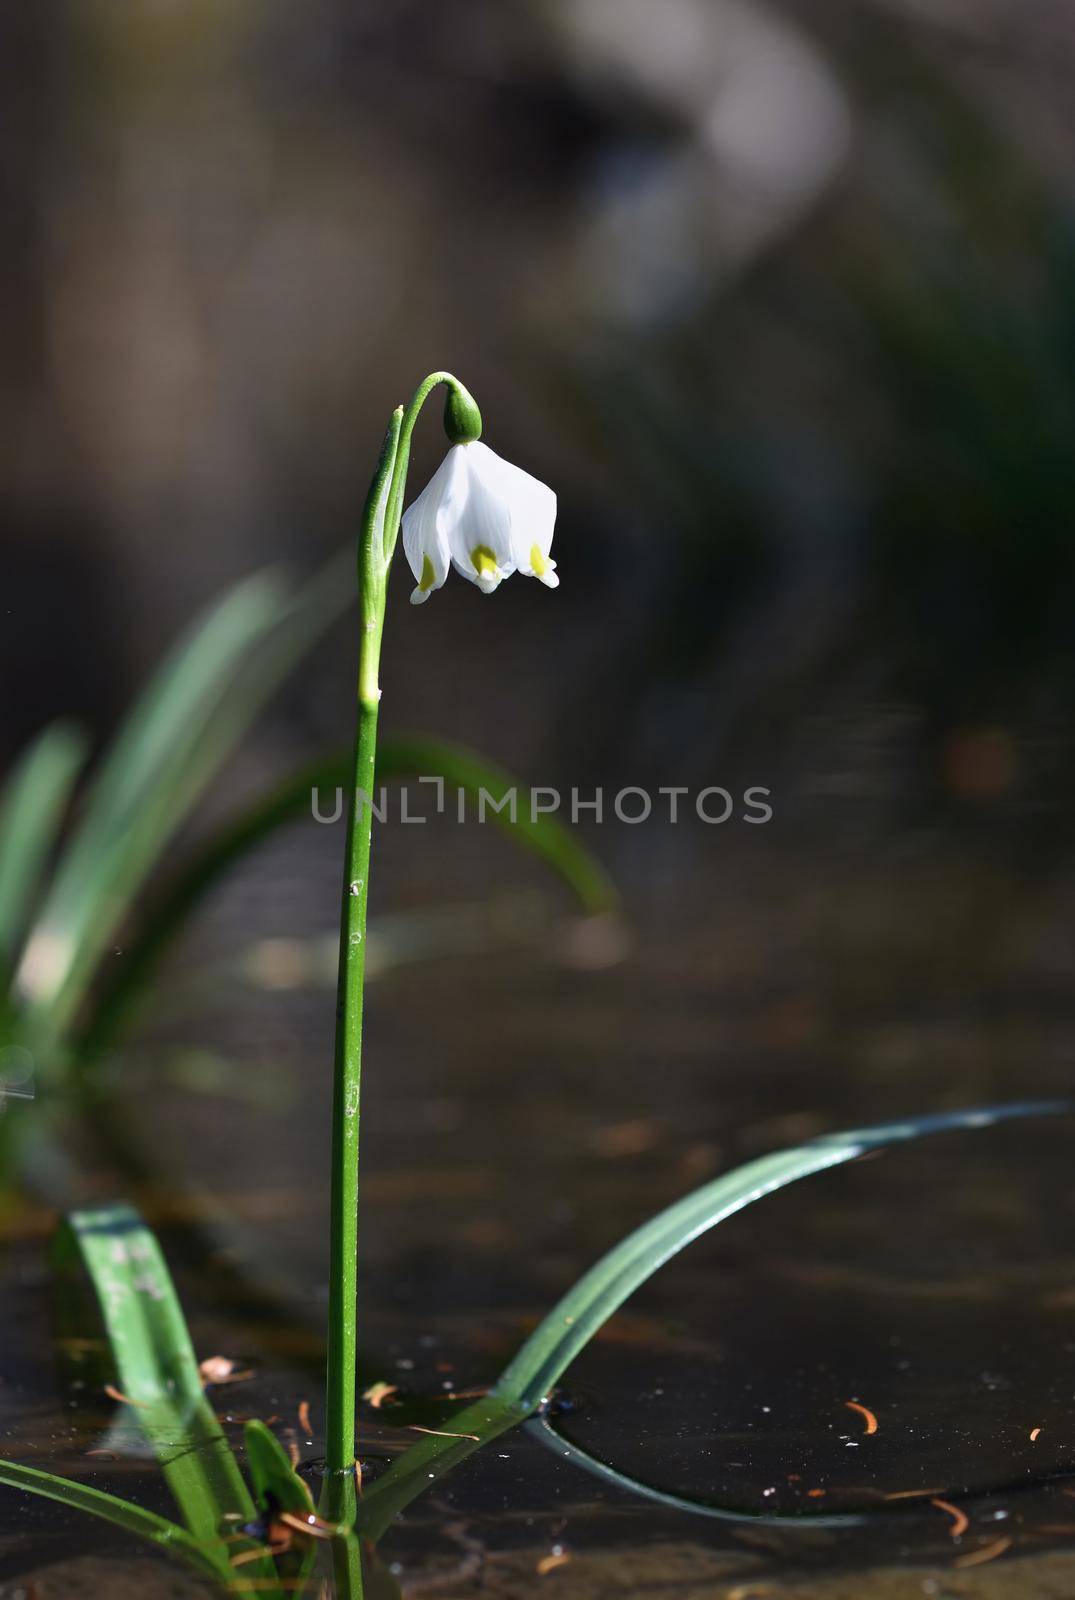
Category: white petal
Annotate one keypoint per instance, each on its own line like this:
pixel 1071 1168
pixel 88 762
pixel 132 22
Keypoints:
pixel 480 540
pixel 533 515
pixel 532 512
pixel 428 523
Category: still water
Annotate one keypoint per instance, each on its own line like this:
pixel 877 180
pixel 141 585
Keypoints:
pixel 903 1327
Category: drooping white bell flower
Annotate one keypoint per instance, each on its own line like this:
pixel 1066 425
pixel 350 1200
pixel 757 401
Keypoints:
pixel 484 517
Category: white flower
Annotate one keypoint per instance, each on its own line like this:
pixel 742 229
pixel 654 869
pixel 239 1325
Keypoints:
pixel 482 516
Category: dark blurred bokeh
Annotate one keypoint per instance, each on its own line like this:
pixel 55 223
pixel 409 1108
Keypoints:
pixel 781 300
pixel 782 303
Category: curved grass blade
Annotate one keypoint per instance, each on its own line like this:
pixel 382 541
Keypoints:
pixel 573 1322
pixel 34 799
pixel 528 1379
pixel 548 838
pixel 157 1373
pixel 110 1508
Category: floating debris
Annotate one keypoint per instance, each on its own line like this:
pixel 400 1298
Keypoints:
pixel 440 1433
pixel 549 1563
pixel 989 1552
pixel 960 1519
pixel 304 1417
pixel 632 1138
pixel 222 1369
pixel 122 1399
pixel 378 1393
pixel 1034 1435
pixel 282 1531
pixel 865 1413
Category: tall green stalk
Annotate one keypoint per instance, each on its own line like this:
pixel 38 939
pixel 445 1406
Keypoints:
pixel 380 528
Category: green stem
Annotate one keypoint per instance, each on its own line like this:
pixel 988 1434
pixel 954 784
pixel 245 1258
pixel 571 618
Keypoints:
pixel 410 417
pixel 343 1264
pixel 343 1239
pixel 380 527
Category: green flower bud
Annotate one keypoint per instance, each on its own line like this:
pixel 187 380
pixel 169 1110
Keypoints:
pixel 462 419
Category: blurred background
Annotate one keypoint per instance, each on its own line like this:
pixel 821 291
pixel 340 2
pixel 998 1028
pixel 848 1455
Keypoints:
pixel 781 303
pixel 781 300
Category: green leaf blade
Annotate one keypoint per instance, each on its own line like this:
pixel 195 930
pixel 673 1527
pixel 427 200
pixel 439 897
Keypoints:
pixel 157 1370
pixel 587 1306
pixel 196 708
pixel 274 1478
pixel 32 805
pixel 120 1513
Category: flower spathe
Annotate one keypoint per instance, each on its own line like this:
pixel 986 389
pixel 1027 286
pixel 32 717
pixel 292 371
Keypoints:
pixel 482 516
